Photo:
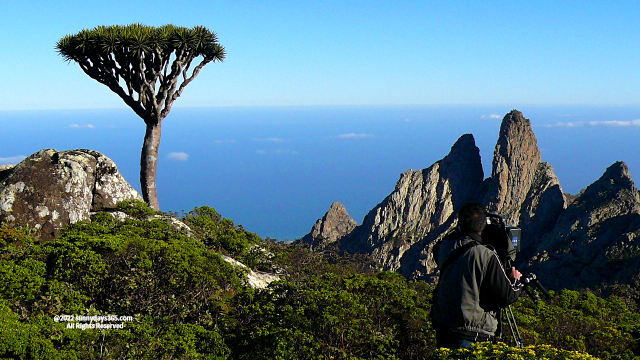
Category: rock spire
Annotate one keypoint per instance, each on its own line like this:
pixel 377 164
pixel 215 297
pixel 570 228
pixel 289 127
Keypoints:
pixel 335 224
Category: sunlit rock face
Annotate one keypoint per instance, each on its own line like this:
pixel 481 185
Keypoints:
pixel 541 208
pixel 51 189
pixel 515 159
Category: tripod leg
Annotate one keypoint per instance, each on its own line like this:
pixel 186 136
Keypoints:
pixel 517 338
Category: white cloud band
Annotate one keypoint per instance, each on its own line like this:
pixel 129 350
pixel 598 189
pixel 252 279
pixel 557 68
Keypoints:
pixel 276 140
pixel 355 136
pixel 609 123
pixel 178 156
pixel 615 123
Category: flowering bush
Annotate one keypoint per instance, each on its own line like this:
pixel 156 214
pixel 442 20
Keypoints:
pixel 501 351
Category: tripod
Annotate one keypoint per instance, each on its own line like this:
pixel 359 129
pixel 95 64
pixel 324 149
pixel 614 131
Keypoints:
pixel 513 326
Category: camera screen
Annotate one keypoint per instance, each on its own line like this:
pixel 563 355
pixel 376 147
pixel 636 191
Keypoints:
pixel 514 235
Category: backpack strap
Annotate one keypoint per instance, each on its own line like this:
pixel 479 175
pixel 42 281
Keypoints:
pixel 456 254
pixel 459 251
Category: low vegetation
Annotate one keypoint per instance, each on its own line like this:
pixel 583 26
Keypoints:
pixel 186 302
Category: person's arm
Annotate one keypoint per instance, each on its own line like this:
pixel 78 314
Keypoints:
pixel 506 289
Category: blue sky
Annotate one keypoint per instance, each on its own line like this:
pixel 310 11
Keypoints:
pixel 348 52
pixel 275 105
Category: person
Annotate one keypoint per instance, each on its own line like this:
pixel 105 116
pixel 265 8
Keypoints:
pixel 473 285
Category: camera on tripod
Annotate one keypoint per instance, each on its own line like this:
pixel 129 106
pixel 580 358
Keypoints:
pixel 506 242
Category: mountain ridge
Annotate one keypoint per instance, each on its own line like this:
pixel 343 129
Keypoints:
pixel 401 230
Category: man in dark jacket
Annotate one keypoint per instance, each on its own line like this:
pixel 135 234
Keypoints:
pixel 473 285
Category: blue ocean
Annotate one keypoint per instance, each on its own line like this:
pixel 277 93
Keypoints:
pixel 276 170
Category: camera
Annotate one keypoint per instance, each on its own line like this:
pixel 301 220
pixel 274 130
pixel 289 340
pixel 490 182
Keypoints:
pixel 506 242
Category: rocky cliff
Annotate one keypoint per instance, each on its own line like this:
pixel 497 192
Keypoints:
pixel 401 230
pixel 51 189
pixel 591 237
pixel 522 188
pixel 420 208
pixel 541 207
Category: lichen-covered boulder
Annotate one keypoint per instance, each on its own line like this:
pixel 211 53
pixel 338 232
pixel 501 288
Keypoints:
pixel 51 189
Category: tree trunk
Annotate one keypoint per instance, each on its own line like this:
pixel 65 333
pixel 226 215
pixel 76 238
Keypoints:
pixel 149 163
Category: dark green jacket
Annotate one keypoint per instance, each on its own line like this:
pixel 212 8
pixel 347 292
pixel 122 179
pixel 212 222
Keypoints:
pixel 472 289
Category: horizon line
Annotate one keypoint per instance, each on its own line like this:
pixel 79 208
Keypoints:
pixel 407 105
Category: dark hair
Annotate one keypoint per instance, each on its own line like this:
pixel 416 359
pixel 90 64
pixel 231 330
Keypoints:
pixel 472 218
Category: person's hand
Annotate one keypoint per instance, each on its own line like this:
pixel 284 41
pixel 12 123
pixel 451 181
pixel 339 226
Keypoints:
pixel 515 274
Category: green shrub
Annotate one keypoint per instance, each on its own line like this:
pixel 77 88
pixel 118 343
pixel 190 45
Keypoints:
pixel 137 209
pixel 582 322
pixel 331 316
pixel 190 304
pixel 221 234
pixel 162 338
pixel 20 340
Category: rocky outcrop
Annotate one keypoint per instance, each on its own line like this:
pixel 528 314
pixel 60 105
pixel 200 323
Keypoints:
pixel 334 225
pixel 522 189
pixel 51 189
pixel 596 239
pixel 255 279
pixel 515 160
pixel 421 206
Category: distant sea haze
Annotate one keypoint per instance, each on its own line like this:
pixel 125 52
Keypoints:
pixel 276 170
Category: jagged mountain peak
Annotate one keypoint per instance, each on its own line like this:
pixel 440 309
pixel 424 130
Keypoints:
pixel 593 239
pixel 422 204
pixel 515 159
pixel 618 173
pixel 615 184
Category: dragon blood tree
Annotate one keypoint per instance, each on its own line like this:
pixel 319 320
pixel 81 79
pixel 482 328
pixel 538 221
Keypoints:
pixel 148 67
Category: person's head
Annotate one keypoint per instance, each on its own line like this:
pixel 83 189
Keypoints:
pixel 472 218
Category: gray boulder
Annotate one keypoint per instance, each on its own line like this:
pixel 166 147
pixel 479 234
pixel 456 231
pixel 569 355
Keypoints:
pixel 255 279
pixel 51 189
